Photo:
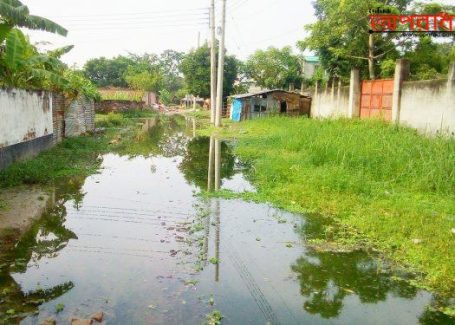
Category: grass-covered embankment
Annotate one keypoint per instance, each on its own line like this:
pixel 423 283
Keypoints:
pixel 75 156
pixel 394 186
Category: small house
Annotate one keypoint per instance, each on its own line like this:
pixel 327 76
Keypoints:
pixel 310 66
pixel 269 102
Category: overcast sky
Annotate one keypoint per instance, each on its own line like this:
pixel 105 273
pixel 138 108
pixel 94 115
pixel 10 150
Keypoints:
pixel 110 27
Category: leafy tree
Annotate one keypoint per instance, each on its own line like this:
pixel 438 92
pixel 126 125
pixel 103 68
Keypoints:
pixel 429 60
pixel 145 73
pixel 275 68
pixel 170 62
pixel 148 72
pixel 145 80
pixel 108 72
pixel 341 35
pixel 195 67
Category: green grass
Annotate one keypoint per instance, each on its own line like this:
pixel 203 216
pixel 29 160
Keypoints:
pixel 118 119
pixel 3 205
pixel 388 183
pixel 109 120
pixel 73 157
pixel 76 156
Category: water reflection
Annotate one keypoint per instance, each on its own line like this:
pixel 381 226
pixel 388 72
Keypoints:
pixel 327 278
pixel 206 162
pixel 136 237
pixel 46 239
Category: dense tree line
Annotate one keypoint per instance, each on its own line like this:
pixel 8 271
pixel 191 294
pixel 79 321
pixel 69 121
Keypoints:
pixel 341 38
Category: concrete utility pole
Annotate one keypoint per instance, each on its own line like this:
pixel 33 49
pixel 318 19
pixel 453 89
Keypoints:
pixel 213 64
pixel 219 101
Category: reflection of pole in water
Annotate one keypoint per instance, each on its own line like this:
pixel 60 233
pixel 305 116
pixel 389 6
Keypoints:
pixel 217 240
pixel 211 163
pixel 194 127
pixel 207 233
pixel 217 164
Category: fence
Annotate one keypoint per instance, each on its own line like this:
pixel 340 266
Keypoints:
pixel 33 121
pixel 428 106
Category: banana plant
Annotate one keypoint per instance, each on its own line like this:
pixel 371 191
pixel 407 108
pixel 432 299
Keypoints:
pixel 20 63
pixel 13 13
pixel 25 67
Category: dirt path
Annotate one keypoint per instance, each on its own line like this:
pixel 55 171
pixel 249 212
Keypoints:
pixel 24 204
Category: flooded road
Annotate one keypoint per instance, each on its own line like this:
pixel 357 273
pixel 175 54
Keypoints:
pixel 136 242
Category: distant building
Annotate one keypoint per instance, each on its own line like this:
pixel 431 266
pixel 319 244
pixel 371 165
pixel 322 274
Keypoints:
pixel 269 102
pixel 310 65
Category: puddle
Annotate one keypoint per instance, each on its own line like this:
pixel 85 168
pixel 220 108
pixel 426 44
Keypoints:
pixel 136 242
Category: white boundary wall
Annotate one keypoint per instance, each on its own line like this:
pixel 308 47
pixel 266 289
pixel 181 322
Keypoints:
pixel 24 115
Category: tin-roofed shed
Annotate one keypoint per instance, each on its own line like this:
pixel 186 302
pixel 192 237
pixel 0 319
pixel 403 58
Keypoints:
pixel 268 102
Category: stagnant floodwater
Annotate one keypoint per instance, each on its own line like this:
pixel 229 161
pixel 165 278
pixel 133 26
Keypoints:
pixel 136 242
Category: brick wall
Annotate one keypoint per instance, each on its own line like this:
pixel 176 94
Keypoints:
pixel 79 117
pixel 58 113
pixel 107 106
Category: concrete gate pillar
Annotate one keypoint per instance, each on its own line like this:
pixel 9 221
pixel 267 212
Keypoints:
pixel 402 69
pixel 354 94
pixel 451 81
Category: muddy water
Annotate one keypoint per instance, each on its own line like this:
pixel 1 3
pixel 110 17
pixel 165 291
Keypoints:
pixel 136 242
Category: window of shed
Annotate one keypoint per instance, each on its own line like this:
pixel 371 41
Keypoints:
pixel 257 108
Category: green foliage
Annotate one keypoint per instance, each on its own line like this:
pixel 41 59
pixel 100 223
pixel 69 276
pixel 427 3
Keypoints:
pixel 108 72
pixel 147 72
pixel 79 85
pixel 110 120
pixel 340 35
pixel 14 13
pixel 195 67
pixel 145 80
pixel 388 182
pixel 388 68
pixel 73 157
pixel 214 318
pixel 275 68
pixel 22 66
pixel 59 308
pixel 165 97
pixel 429 60
pixel 118 94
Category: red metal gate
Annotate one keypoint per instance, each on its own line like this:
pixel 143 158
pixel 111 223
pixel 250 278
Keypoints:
pixel 376 99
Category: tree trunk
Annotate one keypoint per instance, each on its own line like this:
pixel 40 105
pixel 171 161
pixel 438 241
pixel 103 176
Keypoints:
pixel 371 57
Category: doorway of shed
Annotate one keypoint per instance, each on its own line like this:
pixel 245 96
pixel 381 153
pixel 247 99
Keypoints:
pixel 283 107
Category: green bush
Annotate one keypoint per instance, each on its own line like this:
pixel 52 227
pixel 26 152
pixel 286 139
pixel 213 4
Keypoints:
pixel 110 120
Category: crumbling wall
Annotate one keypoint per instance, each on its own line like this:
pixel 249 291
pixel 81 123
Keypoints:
pixel 107 106
pixel 79 117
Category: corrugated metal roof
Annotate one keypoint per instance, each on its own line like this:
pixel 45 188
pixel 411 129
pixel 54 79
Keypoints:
pixel 312 59
pixel 261 93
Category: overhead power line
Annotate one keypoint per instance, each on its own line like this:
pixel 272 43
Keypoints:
pixel 158 12
pixel 174 16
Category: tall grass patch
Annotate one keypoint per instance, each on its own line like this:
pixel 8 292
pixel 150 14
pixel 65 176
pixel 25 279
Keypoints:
pixel 394 185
